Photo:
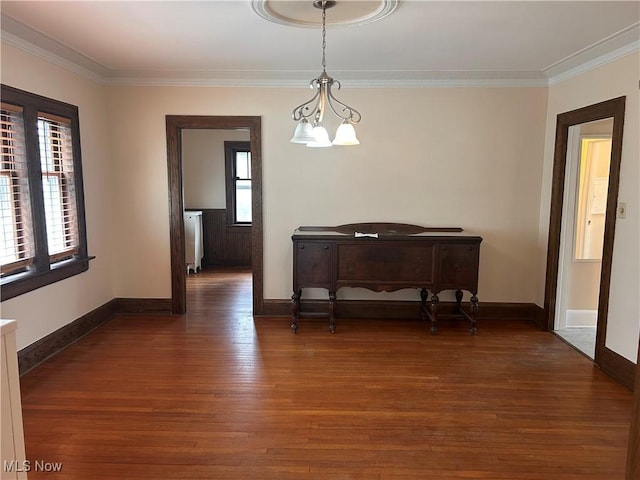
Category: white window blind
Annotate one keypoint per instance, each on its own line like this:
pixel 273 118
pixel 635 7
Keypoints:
pixel 58 188
pixel 16 233
pixel 243 186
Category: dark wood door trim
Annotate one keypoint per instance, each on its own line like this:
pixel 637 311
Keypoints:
pixel 613 108
pixel 175 124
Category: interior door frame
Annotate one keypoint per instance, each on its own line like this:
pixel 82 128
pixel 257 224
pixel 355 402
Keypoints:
pixel 174 125
pixel 569 231
pixel 567 228
pixel 613 108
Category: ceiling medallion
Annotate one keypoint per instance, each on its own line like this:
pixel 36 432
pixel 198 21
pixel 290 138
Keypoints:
pixel 302 13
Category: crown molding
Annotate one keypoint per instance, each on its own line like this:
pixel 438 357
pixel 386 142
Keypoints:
pixel 31 41
pixel 596 50
pixel 629 49
pixel 350 79
pixel 50 57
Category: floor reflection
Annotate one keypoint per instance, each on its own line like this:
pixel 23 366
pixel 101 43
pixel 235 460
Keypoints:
pixel 220 301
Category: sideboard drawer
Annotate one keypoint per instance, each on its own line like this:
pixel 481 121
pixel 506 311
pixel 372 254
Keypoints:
pixel 378 261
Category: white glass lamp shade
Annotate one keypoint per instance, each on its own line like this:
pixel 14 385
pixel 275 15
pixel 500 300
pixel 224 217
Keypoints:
pixel 320 137
pixel 303 132
pixel 346 135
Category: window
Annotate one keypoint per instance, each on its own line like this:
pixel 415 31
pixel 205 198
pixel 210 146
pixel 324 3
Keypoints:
pixel 16 249
pixel 42 222
pixel 238 175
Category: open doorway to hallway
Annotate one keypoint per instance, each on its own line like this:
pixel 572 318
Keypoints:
pixel 216 173
pixel 581 246
pixel 176 124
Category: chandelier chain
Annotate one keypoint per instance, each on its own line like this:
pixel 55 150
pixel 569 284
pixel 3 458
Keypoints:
pixel 324 35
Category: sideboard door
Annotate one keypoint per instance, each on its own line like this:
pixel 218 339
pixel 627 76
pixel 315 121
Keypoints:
pixel 312 264
pixel 459 267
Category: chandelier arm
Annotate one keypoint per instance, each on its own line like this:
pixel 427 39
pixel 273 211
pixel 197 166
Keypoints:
pixel 349 113
pixel 298 113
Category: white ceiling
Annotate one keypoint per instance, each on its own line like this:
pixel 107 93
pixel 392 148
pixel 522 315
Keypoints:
pixel 419 43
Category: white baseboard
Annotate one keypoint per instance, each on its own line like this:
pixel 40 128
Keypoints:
pixel 582 318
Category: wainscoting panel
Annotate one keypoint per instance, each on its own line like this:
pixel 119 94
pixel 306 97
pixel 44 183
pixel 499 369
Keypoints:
pixel 224 245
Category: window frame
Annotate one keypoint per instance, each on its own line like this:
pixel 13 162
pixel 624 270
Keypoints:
pixel 230 150
pixel 46 269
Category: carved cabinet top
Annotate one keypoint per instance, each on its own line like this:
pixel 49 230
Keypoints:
pixel 377 229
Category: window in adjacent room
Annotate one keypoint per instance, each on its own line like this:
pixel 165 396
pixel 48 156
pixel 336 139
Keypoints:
pixel 238 182
pixel 42 221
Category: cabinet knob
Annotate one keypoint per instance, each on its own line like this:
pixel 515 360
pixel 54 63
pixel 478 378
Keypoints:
pixel 301 247
pixel 326 247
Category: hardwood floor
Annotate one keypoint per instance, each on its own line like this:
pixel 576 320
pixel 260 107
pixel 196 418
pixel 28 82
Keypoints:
pixel 216 395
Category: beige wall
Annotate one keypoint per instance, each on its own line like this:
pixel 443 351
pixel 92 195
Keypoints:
pixel 45 310
pixel 203 167
pixel 609 81
pixel 431 156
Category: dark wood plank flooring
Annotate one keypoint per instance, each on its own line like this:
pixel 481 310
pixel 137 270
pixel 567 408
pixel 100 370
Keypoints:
pixel 216 395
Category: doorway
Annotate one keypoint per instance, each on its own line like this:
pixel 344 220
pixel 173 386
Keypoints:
pixel 563 222
pixel 175 124
pixel 582 236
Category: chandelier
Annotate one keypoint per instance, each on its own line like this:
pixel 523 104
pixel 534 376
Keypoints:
pixel 310 114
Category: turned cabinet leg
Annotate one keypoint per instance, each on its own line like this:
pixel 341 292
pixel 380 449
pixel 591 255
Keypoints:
pixel 295 309
pixel 458 299
pixel 424 295
pixel 474 311
pixel 332 312
pixel 434 313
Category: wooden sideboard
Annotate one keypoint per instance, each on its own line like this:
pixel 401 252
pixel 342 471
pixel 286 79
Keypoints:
pixel 387 257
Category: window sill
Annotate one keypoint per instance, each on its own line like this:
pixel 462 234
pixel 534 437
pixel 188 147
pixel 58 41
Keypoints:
pixel 21 283
pixel 238 227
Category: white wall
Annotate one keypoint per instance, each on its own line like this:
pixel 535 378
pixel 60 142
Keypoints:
pixel 47 309
pixel 203 166
pixel 609 81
